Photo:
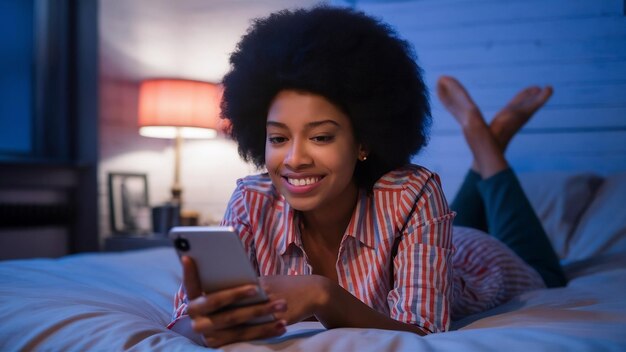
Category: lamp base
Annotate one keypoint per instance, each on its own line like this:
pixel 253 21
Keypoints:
pixel 189 218
pixel 177 195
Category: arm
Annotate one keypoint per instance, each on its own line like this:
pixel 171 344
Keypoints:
pixel 422 281
pixel 334 307
pixel 339 308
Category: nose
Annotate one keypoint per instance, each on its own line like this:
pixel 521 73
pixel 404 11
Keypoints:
pixel 298 156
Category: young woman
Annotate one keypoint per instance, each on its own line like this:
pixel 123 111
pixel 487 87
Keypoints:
pixel 342 228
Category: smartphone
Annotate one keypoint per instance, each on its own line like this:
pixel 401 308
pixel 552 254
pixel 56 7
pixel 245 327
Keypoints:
pixel 220 259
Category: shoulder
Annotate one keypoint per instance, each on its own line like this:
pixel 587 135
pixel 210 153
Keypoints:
pixel 410 179
pixel 258 184
pixel 253 192
pixel 253 197
pixel 414 190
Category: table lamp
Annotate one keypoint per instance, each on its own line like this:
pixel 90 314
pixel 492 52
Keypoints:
pixel 177 109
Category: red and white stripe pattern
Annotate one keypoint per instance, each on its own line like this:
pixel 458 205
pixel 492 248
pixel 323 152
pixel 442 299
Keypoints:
pixel 413 287
pixel 180 306
pixel 487 273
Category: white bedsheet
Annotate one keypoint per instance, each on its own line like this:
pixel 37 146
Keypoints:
pixel 118 301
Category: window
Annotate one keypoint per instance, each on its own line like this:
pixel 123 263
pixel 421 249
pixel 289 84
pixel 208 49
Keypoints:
pixel 16 76
pixel 49 116
pixel 39 80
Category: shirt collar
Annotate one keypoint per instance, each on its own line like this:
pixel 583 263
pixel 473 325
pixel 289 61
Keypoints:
pixel 291 231
pixel 357 227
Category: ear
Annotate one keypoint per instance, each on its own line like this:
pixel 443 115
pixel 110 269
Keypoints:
pixel 363 152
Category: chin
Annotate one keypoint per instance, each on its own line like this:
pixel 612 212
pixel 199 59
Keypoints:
pixel 303 204
pixel 300 205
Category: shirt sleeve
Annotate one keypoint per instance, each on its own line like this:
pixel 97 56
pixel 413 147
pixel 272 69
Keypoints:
pixel 237 216
pixel 181 322
pixel 423 263
pixel 180 306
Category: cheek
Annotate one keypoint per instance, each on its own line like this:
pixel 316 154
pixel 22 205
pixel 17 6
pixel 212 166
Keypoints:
pixel 343 162
pixel 272 158
pixel 272 164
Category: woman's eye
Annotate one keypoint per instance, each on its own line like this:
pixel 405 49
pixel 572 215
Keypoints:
pixel 323 139
pixel 276 140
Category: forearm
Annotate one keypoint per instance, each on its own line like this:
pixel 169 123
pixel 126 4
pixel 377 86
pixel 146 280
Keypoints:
pixel 338 308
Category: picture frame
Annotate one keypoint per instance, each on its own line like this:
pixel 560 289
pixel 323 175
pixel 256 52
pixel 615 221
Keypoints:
pixel 130 212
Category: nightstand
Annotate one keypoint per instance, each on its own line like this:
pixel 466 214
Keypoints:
pixel 126 243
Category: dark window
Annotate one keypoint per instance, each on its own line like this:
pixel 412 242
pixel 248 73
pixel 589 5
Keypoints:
pixel 49 119
pixel 16 76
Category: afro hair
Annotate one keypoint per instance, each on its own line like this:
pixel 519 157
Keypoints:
pixel 353 60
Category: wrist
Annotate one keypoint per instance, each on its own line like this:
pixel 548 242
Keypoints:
pixel 322 293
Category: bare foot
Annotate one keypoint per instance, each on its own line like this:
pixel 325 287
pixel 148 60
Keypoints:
pixel 517 112
pixel 488 157
pixel 455 99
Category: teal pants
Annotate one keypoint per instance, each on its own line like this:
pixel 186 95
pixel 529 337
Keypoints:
pixel 498 206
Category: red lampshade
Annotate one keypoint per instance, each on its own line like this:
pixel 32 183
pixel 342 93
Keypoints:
pixel 168 105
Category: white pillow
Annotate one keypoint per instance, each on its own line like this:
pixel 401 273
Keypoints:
pixel 602 228
pixel 560 199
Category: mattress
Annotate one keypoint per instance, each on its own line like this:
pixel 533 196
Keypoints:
pixel 123 301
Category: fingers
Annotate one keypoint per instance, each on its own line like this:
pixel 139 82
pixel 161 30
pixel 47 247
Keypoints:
pixel 212 302
pixel 191 280
pixel 246 333
pixel 237 316
pixel 228 327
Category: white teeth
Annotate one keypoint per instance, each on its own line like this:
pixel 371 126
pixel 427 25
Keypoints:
pixel 303 181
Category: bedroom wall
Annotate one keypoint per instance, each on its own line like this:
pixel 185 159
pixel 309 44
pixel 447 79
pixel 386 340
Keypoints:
pixel 495 48
pixel 209 168
pixel 190 39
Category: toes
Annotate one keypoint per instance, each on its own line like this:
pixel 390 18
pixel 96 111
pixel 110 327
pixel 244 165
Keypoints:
pixel 529 100
pixel 539 99
pixel 452 92
pixel 445 80
pixel 443 89
pixel 546 93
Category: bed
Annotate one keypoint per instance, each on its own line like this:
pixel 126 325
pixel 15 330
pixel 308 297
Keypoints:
pixel 123 300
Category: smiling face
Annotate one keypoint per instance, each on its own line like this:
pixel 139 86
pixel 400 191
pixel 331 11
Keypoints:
pixel 310 151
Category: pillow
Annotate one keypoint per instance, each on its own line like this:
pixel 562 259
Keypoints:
pixel 602 228
pixel 559 199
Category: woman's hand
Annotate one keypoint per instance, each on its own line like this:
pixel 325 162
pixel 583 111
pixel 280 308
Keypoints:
pixel 220 328
pixel 304 294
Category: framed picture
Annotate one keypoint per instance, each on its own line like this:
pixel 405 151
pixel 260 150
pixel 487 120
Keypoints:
pixel 130 211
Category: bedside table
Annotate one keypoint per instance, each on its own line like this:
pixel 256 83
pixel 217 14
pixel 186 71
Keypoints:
pixel 126 243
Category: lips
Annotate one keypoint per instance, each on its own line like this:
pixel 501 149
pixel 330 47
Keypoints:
pixel 301 184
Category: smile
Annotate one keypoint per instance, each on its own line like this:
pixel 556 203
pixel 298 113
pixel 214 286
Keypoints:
pixel 303 181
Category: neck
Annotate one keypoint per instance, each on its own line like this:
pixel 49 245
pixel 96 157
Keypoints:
pixel 329 223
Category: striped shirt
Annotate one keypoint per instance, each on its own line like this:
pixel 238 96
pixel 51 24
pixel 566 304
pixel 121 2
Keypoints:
pixel 419 276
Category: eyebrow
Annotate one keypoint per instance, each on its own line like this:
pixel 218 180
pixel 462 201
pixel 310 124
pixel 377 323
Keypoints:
pixel 308 125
